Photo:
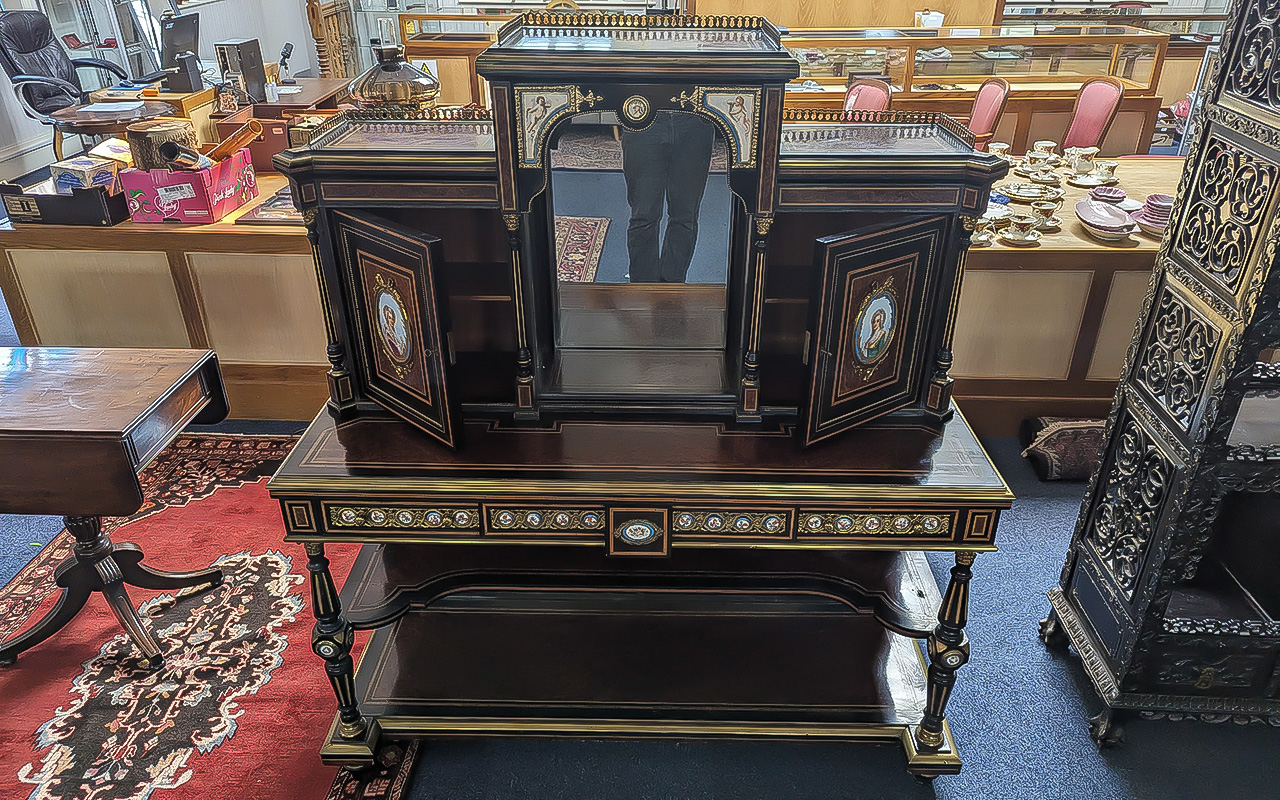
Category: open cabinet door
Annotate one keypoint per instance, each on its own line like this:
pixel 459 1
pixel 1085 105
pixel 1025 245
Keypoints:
pixel 867 332
pixel 402 319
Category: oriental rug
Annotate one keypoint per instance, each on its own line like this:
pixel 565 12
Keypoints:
pixel 579 243
pixel 594 149
pixel 241 706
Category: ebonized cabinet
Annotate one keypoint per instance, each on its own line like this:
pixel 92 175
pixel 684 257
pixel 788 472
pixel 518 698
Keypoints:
pixel 591 472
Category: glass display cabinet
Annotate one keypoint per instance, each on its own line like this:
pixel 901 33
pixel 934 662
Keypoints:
pixel 1189 24
pixel 941 62
pixel 447 45
pixel 1192 27
pixel 940 69
pixel 658 408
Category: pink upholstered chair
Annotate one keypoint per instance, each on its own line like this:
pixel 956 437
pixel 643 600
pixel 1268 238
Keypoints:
pixel 1096 106
pixel 867 95
pixel 988 105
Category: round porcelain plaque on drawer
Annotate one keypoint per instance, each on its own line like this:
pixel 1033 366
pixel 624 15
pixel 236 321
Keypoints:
pixel 434 519
pixel 461 518
pixel 561 519
pixel 533 518
pixel 638 531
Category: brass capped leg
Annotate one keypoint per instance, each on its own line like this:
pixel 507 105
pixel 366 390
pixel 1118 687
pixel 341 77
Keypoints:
pixel 948 649
pixel 331 639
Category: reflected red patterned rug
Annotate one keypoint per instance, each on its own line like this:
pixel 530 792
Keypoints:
pixel 579 243
pixel 242 705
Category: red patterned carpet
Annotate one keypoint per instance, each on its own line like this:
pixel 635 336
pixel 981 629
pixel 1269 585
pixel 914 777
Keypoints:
pixel 241 706
pixel 579 243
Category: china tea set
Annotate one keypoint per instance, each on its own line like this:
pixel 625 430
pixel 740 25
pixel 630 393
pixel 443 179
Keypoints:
pixel 1101 213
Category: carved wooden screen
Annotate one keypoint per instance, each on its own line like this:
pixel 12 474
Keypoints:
pixel 402 323
pixel 1147 521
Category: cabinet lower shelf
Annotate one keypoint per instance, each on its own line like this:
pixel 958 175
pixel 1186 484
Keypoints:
pixel 633 662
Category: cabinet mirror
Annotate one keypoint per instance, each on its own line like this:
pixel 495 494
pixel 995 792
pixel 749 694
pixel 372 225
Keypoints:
pixel 641 222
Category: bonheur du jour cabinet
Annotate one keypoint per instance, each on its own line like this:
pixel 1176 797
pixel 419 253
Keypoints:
pixel 639 401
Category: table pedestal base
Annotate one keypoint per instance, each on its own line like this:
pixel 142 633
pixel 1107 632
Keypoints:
pixel 98 565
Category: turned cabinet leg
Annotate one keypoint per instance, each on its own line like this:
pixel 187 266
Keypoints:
pixel 331 639
pixel 948 651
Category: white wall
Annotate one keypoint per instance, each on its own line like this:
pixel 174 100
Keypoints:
pixel 271 22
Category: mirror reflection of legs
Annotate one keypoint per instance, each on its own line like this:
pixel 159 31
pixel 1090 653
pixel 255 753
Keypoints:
pixel 642 254
pixel 668 161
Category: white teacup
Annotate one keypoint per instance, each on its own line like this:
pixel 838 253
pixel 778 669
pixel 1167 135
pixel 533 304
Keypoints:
pixel 1037 160
pixel 1045 146
pixel 1107 169
pixel 1021 226
pixel 1000 149
pixel 1045 211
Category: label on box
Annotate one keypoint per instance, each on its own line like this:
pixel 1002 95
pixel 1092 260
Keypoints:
pixel 22 209
pixel 172 194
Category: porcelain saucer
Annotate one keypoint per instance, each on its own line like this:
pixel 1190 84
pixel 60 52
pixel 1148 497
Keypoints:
pixel 1050 225
pixel 982 240
pixel 1085 181
pixel 1032 238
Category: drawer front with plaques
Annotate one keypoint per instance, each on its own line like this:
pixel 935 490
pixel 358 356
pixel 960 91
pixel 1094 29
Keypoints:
pixel 517 520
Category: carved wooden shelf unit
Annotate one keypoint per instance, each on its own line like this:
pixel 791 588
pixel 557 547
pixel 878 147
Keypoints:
pixel 1168 592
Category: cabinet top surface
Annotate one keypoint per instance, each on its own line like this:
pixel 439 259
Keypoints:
pixel 639 40
pixel 476 137
pixel 65 390
pixel 410 136
pixel 873 138
pixel 876 459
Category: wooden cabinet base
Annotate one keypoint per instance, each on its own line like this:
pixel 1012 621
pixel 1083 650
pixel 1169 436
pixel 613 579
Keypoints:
pixel 637 663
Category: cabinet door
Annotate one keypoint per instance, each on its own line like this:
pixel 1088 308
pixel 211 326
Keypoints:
pixel 868 330
pixel 401 319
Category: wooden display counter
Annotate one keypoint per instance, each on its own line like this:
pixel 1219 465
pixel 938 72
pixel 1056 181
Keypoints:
pixel 247 291
pixel 1044 330
pixel 1041 331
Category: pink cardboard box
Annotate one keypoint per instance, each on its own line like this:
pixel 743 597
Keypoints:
pixel 205 195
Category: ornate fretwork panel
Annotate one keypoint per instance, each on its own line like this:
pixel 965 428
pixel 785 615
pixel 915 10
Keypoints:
pixel 1253 73
pixel 1126 516
pixel 1221 225
pixel 1176 358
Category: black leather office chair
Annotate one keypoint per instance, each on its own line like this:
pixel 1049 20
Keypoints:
pixel 43 77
